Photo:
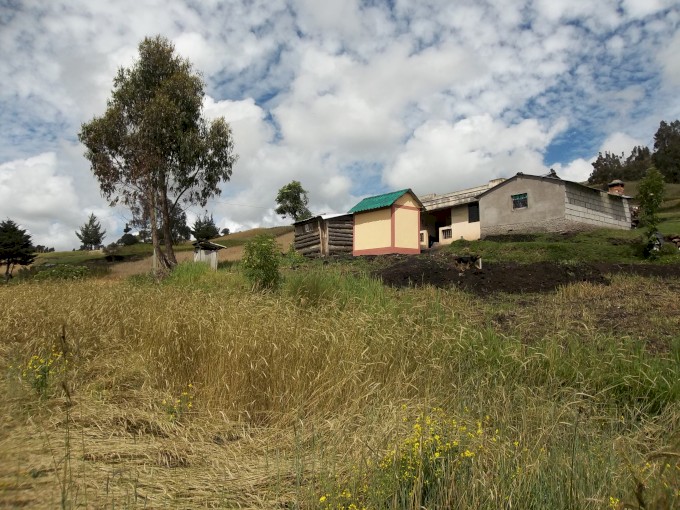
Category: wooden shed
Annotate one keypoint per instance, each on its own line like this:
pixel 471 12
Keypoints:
pixel 205 251
pixel 388 223
pixel 324 235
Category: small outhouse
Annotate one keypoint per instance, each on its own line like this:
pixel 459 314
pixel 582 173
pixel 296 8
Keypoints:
pixel 205 251
pixel 388 223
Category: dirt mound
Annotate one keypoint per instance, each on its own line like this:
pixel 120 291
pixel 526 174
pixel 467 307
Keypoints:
pixel 447 271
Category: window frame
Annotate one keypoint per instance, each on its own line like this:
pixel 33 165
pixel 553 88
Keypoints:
pixel 520 201
pixel 473 218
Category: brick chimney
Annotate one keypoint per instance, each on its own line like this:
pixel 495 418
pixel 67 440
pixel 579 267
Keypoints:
pixel 616 187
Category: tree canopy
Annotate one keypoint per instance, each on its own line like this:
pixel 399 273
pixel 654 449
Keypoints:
pixel 292 199
pixel 15 247
pixel 179 230
pixel 91 234
pixel 666 156
pixel 610 166
pixel 205 229
pixel 152 145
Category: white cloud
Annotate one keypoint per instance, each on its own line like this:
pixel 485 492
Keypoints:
pixel 444 156
pixel 670 63
pixel 34 193
pixel 577 170
pixel 345 97
pixel 619 143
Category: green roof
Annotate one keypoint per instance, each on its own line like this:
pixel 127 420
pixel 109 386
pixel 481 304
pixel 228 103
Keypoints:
pixel 378 201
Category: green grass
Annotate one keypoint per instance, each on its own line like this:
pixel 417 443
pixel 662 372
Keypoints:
pixel 596 246
pixel 68 257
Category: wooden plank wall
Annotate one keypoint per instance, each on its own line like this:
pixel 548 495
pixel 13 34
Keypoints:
pixel 340 235
pixel 325 237
pixel 307 243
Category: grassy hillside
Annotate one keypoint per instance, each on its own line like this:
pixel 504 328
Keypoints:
pixel 670 210
pixel 143 250
pixel 336 392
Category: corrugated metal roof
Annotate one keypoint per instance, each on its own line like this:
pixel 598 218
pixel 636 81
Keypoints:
pixel 208 245
pixel 322 216
pixel 378 201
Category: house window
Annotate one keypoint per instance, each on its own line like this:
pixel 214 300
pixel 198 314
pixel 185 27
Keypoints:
pixel 447 233
pixel 473 212
pixel 520 201
pixel 308 227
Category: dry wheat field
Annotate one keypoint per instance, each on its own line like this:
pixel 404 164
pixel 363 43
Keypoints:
pixel 336 392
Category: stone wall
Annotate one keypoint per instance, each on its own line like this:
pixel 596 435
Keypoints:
pixel 583 205
pixel 552 225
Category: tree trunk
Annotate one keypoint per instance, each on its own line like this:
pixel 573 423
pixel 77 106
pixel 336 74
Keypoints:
pixel 167 230
pixel 155 241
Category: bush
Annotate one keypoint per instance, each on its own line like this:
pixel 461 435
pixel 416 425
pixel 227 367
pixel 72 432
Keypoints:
pixel 63 272
pixel 128 240
pixel 261 259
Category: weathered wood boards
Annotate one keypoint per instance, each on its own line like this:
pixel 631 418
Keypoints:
pixel 324 235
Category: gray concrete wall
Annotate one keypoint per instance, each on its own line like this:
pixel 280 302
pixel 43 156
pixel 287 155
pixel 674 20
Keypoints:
pixel 544 212
pixel 594 208
pixel 552 225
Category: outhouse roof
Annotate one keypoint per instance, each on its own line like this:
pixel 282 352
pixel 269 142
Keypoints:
pixel 380 201
pixel 208 246
pixel 322 216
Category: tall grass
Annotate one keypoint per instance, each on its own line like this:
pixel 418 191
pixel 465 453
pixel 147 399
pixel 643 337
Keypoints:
pixel 309 397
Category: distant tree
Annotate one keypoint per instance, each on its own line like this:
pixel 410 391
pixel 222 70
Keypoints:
pixel 606 168
pixel 91 233
pixel 179 230
pixel 224 231
pixel 666 157
pixel 152 144
pixel 292 199
pixel 637 163
pixel 15 247
pixel 205 229
pixel 127 240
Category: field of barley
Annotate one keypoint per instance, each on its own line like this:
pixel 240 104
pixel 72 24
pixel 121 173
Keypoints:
pixel 335 391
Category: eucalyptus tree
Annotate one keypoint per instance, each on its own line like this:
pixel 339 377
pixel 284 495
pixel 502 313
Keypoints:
pixel 152 146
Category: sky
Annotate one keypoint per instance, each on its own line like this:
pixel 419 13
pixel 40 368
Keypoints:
pixel 350 97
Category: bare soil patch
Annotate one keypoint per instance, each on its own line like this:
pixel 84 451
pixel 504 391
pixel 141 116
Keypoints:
pixel 446 270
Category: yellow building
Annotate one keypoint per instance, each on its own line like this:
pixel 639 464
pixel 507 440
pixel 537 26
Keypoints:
pixel 388 223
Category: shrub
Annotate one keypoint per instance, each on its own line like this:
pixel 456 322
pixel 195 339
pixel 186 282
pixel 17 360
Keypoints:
pixel 261 259
pixel 128 240
pixel 63 272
